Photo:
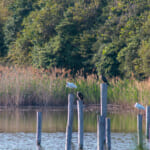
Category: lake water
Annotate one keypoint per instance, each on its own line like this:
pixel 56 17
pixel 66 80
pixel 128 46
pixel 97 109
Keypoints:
pixel 18 130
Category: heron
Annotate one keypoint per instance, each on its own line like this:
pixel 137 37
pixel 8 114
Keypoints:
pixel 71 85
pixel 139 106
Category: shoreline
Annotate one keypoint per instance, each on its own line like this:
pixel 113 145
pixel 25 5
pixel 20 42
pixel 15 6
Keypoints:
pixel 111 108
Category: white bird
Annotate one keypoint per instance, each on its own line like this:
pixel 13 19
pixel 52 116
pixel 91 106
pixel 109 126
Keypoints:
pixel 139 106
pixel 71 85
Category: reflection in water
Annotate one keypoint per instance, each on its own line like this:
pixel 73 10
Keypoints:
pixel 18 127
pixel 38 147
pixel 20 120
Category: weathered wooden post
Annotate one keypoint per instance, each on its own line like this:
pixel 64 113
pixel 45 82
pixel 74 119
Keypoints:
pixel 103 125
pixel 80 124
pixel 100 132
pixel 108 134
pixel 147 122
pixel 103 100
pixel 69 122
pixel 39 128
pixel 139 130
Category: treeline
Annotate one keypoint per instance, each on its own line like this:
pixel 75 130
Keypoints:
pixel 110 37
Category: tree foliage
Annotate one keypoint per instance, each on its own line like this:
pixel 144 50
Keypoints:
pixel 2 44
pixel 109 37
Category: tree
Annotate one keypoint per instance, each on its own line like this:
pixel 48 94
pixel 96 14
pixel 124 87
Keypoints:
pixel 108 64
pixel 2 44
pixel 110 37
pixel 38 29
pixel 127 57
pixel 144 53
pixel 87 39
pixel 19 10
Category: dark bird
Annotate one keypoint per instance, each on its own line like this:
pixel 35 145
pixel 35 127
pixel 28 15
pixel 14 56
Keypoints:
pixel 80 96
pixel 103 78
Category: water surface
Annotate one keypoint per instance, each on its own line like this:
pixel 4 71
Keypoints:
pixel 18 130
pixel 56 141
pixel 24 120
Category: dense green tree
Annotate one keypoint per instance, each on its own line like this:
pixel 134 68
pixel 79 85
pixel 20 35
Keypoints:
pixel 144 53
pixel 57 39
pixel 108 64
pixel 63 51
pixel 2 44
pixel 19 10
pixel 123 32
pixel 86 36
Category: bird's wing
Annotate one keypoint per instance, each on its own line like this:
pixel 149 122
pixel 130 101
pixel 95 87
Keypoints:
pixel 70 85
pixel 73 85
pixel 139 106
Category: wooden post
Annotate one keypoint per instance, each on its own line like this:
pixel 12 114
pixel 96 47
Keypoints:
pixel 103 100
pixel 39 128
pixel 108 134
pixel 139 130
pixel 80 124
pixel 69 122
pixel 147 122
pixel 100 132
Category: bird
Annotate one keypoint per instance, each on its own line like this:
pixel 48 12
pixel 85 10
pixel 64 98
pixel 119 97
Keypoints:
pixel 80 96
pixel 71 85
pixel 103 78
pixel 139 106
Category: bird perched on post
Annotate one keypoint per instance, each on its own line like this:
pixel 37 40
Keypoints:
pixel 71 85
pixel 139 106
pixel 80 96
pixel 103 78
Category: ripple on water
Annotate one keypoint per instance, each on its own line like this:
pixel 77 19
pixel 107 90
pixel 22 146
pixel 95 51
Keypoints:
pixel 56 141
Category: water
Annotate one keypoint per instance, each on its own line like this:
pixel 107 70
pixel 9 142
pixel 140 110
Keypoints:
pixel 18 128
pixel 55 141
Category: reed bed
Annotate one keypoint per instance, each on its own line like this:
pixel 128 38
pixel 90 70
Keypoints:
pixel 38 87
pixel 129 91
pixel 29 86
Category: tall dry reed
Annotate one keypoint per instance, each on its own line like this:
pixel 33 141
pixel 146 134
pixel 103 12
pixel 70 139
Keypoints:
pixel 30 86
